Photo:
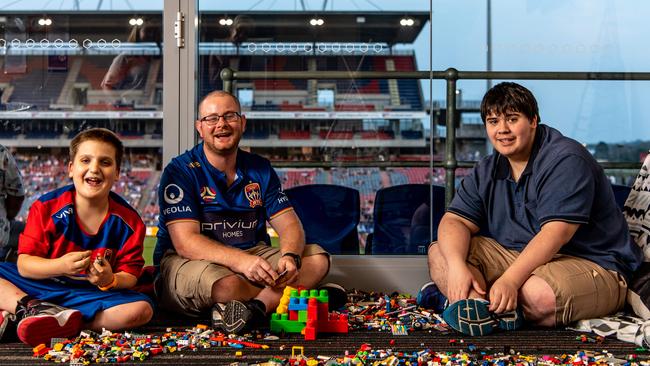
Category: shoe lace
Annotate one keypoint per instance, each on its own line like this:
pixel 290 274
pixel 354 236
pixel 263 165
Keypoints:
pixel 33 307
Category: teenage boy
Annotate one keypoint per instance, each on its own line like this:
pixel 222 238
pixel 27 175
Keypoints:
pixel 559 248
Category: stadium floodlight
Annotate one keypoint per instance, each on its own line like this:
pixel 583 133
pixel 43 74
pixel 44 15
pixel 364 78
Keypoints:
pixel 136 21
pixel 226 22
pixel 316 22
pixel 406 22
pixel 45 22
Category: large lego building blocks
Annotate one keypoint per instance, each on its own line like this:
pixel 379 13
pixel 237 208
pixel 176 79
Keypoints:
pixel 307 312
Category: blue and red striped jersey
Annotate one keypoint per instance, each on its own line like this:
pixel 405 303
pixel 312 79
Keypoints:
pixel 53 229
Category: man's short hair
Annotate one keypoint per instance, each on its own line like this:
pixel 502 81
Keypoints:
pixel 509 97
pixel 220 93
pixel 98 134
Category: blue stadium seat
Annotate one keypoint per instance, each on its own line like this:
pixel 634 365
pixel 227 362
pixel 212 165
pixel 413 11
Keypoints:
pixel 620 193
pixel 329 214
pixel 403 220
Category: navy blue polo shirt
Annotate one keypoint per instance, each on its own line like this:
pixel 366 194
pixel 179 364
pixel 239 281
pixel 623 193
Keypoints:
pixel 561 182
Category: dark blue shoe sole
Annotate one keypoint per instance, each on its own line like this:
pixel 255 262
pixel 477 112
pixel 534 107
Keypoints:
pixel 471 317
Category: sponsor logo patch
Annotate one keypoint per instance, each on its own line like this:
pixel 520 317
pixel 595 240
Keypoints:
pixel 173 194
pixel 208 194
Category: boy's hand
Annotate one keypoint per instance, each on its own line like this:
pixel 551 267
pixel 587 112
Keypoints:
pixel 74 263
pixel 100 272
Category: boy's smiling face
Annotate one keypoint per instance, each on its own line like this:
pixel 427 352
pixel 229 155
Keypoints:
pixel 94 169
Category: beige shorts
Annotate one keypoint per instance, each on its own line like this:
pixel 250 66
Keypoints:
pixel 583 289
pixel 185 286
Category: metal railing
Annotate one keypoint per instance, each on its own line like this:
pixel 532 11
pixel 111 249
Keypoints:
pixel 451 76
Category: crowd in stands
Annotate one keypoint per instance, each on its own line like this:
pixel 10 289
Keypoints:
pixel 138 181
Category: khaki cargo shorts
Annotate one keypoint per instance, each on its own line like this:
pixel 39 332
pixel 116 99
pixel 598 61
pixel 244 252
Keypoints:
pixel 583 289
pixel 185 286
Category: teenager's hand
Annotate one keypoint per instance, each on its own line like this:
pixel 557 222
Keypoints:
pixel 257 270
pixel 74 263
pixel 460 282
pixel 503 295
pixel 100 272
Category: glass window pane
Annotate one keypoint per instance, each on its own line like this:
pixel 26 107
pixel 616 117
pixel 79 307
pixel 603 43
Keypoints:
pixel 334 131
pixel 64 72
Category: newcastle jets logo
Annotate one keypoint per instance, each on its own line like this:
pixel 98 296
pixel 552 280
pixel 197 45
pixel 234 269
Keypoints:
pixel 208 194
pixel 253 194
pixel 173 194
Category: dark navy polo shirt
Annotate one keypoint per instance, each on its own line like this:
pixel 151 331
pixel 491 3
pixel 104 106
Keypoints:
pixel 561 182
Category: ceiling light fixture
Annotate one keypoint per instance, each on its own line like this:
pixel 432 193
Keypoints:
pixel 227 22
pixel 316 22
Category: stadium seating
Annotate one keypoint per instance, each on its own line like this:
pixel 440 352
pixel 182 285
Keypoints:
pixel 329 215
pixel 403 219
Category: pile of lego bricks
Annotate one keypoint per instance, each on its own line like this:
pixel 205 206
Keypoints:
pixel 382 328
pixel 202 346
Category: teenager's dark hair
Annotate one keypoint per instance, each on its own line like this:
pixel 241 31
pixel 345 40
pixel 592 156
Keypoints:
pixel 509 97
pixel 98 134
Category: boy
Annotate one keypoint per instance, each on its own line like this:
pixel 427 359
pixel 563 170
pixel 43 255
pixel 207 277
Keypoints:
pixel 81 250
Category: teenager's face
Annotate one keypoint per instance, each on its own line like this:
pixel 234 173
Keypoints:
pixel 94 169
pixel 512 134
pixel 221 138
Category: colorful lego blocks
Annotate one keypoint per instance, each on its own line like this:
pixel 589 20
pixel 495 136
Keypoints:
pixel 307 313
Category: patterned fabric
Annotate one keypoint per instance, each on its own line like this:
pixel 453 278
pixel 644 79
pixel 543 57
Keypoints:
pixel 628 328
pixel 625 328
pixel 11 184
pixel 637 214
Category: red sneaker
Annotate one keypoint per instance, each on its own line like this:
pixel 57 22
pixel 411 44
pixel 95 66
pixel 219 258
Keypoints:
pixel 43 321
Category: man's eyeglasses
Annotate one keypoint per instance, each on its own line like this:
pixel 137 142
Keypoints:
pixel 229 117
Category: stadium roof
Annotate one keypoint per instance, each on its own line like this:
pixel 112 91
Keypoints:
pixel 337 26
pixel 265 26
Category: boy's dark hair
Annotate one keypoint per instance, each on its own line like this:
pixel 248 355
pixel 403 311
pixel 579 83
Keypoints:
pixel 98 134
pixel 509 97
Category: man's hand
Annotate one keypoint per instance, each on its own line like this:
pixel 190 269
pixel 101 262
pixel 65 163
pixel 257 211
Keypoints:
pixel 74 263
pixel 503 295
pixel 100 272
pixel 287 263
pixel 460 282
pixel 257 270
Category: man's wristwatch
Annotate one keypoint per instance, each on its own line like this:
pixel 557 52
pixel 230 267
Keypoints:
pixel 296 258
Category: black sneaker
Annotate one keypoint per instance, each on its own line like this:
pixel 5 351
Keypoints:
pixel 430 297
pixel 236 316
pixel 7 326
pixel 338 297
pixel 41 321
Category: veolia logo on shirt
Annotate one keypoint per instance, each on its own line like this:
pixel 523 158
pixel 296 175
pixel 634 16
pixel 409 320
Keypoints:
pixel 173 194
